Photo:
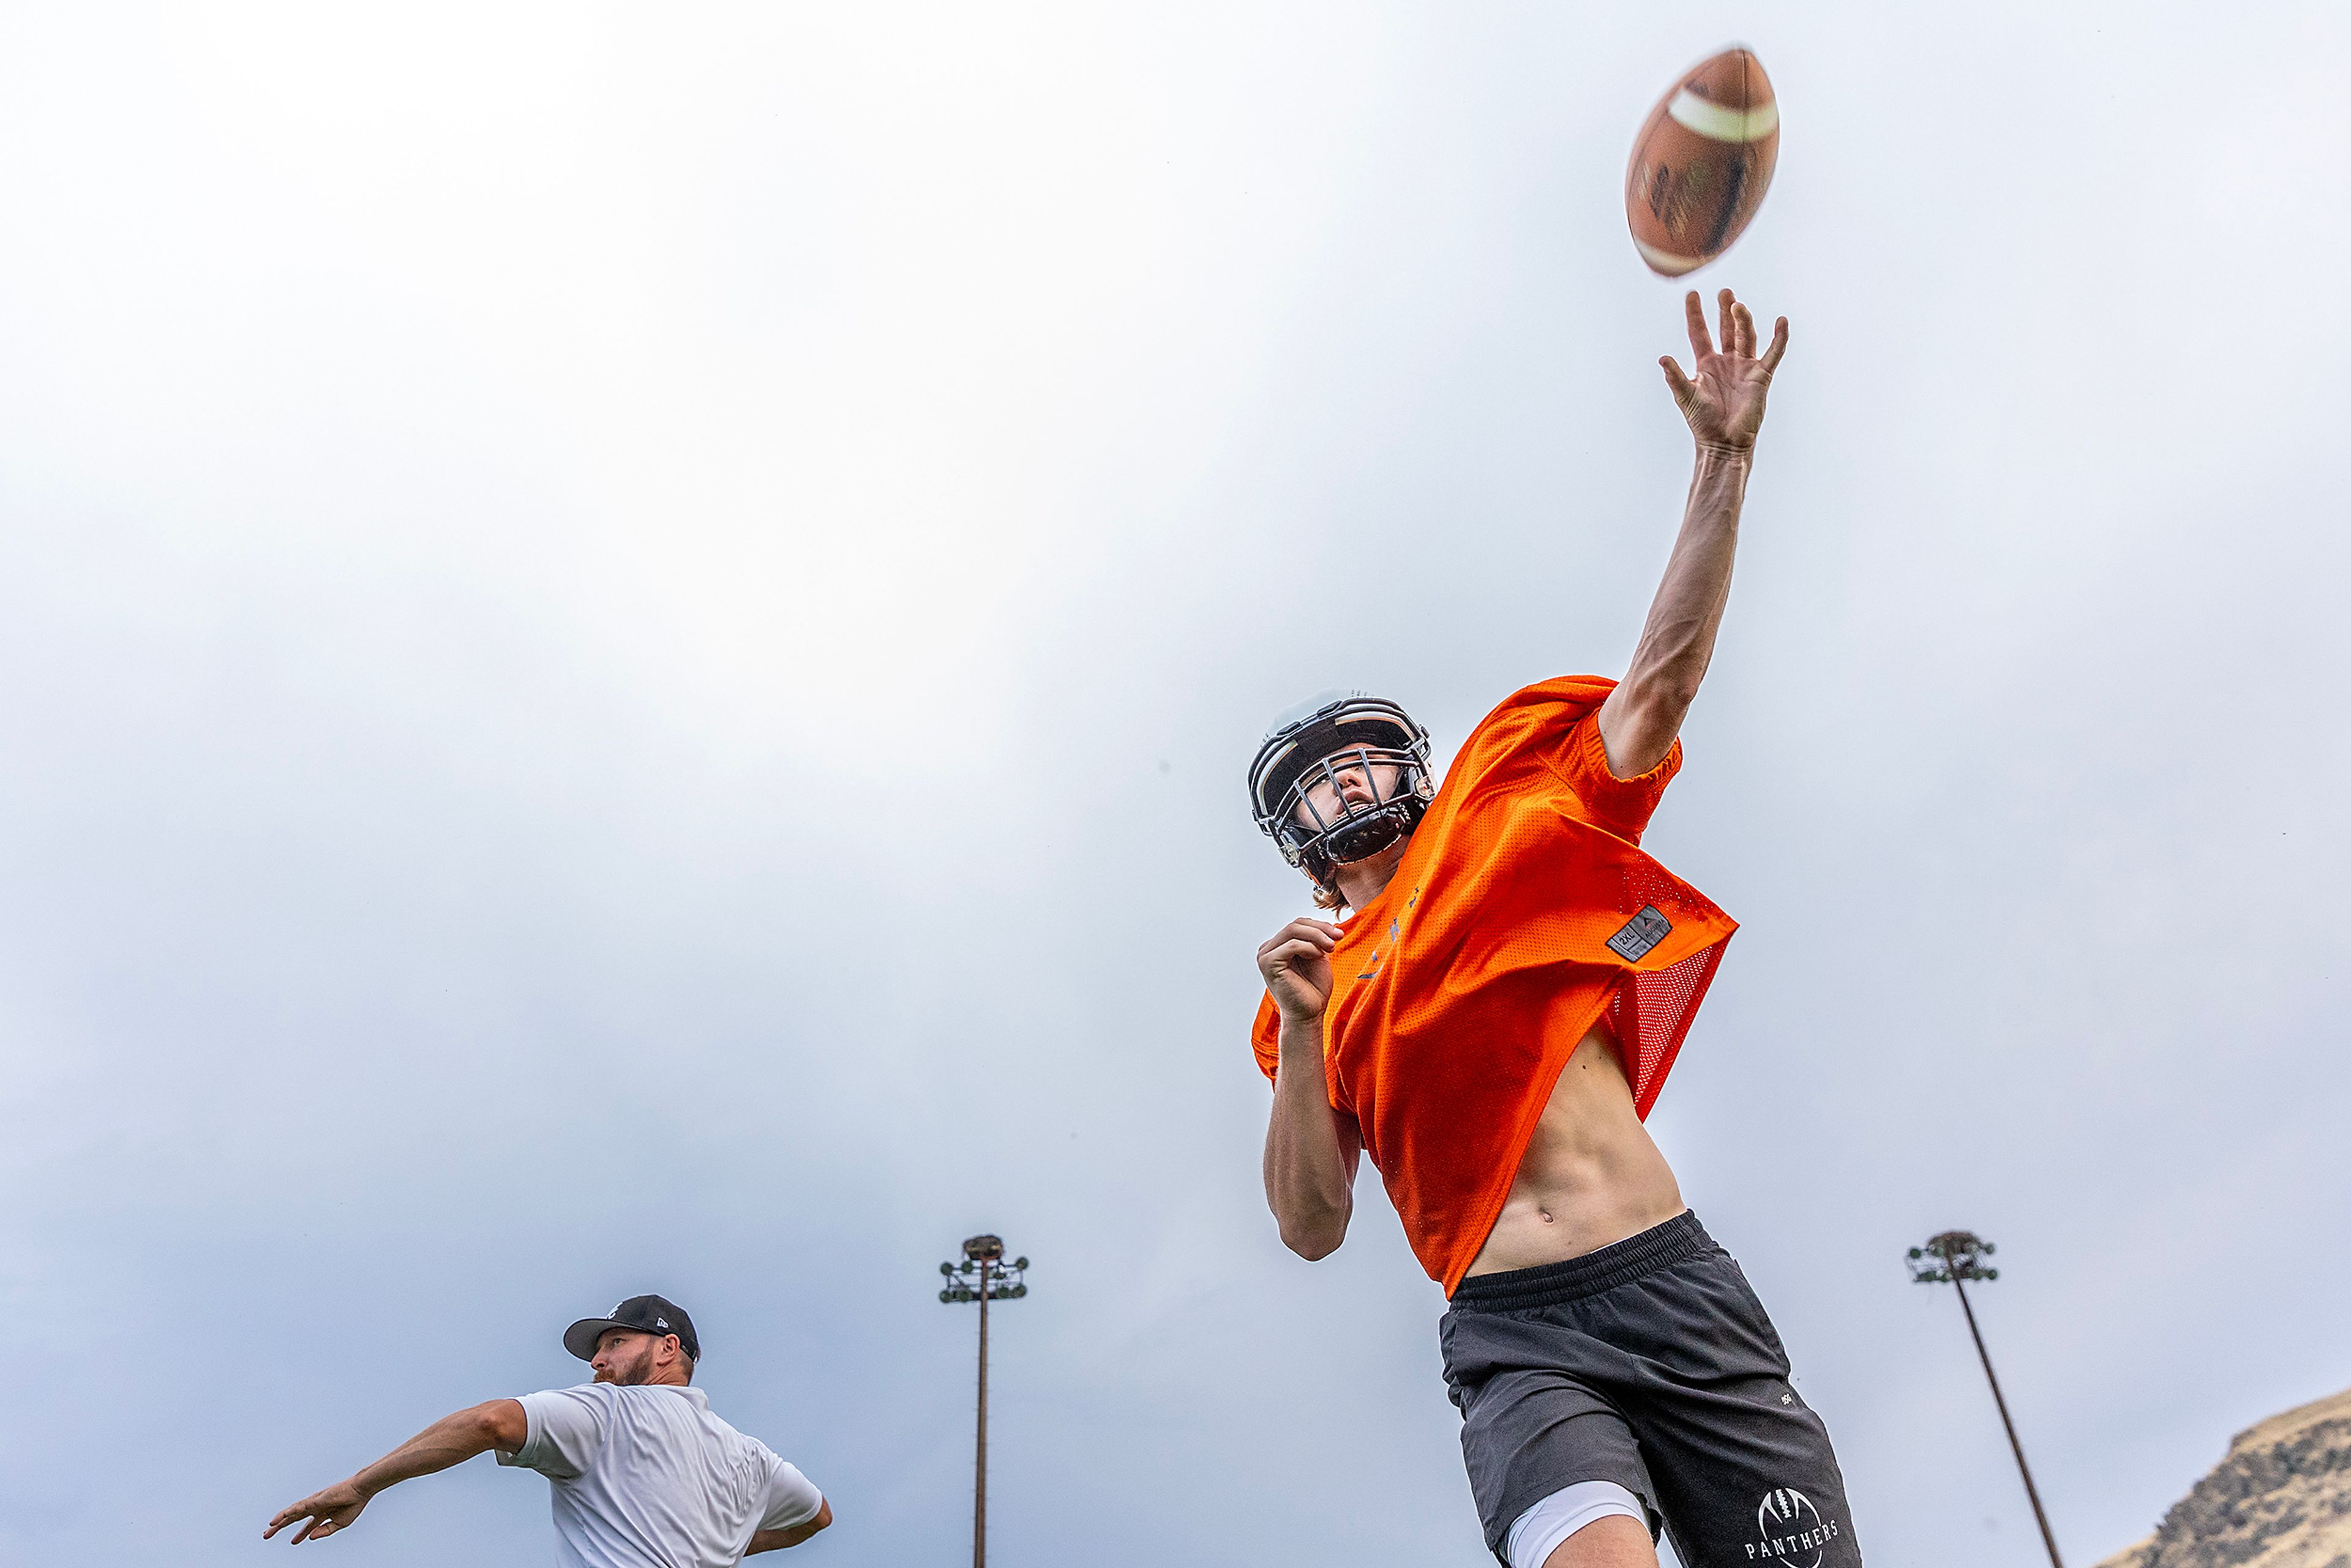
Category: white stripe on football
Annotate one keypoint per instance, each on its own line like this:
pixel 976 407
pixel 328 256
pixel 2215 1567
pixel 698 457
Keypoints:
pixel 1717 123
pixel 1665 262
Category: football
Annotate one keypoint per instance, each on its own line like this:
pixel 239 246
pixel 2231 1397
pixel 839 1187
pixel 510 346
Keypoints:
pixel 1702 163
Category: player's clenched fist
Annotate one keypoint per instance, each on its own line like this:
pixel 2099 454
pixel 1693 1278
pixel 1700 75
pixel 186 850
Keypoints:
pixel 1296 963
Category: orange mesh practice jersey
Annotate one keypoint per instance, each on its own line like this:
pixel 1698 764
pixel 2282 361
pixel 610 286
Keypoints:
pixel 1523 912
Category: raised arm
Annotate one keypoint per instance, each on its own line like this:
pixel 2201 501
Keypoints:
pixel 1310 1150
pixel 450 1441
pixel 1722 399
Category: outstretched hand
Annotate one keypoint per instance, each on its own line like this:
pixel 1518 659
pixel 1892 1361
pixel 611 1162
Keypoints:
pixel 1723 397
pixel 328 1510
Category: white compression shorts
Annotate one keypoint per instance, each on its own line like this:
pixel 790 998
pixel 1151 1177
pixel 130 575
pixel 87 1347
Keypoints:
pixel 1537 1533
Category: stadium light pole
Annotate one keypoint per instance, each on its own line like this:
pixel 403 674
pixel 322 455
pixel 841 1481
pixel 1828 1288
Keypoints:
pixel 1952 1257
pixel 981 1277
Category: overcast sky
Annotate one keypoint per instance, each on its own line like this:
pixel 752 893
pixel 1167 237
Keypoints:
pixel 629 637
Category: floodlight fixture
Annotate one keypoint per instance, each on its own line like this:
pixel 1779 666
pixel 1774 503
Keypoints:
pixel 1953 1258
pixel 983 1276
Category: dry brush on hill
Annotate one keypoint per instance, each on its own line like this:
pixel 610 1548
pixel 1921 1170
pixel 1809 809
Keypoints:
pixel 2281 1499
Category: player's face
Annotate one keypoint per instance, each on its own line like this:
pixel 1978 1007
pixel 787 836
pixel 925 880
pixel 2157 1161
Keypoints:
pixel 1350 785
pixel 624 1357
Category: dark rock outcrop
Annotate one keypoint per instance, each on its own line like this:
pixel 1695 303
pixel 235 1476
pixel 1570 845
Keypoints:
pixel 2282 1499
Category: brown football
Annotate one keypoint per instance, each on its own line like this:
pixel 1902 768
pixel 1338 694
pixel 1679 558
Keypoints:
pixel 1702 163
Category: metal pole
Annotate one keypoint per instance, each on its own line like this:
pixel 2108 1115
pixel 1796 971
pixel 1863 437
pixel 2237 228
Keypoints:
pixel 998 1278
pixel 979 1487
pixel 2030 1493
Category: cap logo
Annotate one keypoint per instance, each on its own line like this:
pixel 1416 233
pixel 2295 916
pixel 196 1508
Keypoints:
pixel 660 1323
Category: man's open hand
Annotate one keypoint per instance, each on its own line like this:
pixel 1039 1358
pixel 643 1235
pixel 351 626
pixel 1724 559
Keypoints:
pixel 1723 397
pixel 328 1511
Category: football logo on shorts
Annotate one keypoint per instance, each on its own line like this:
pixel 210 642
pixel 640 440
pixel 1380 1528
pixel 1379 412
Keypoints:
pixel 1791 1528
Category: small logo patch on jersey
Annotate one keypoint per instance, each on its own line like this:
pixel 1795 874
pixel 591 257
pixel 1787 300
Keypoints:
pixel 1641 933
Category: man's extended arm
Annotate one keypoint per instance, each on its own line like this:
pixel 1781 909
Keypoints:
pixel 776 1540
pixel 450 1441
pixel 1722 399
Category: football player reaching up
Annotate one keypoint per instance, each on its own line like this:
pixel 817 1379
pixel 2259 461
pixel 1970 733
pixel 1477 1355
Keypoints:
pixel 1491 1024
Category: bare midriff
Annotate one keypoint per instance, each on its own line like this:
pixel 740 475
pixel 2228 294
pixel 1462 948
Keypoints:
pixel 1590 1174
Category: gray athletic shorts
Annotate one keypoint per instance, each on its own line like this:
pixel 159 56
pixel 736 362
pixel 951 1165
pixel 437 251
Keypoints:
pixel 1649 1364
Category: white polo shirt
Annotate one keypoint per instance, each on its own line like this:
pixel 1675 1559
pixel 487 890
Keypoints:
pixel 646 1477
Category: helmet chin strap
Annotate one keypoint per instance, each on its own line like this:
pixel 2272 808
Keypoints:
pixel 1362 839
pixel 1356 842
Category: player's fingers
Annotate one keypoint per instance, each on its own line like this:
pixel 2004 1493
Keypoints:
pixel 1746 331
pixel 1779 345
pixel 1728 337
pixel 1694 309
pixel 1678 382
pixel 1281 939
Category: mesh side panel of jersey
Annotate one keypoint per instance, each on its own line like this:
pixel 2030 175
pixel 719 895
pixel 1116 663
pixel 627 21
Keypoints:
pixel 1651 1012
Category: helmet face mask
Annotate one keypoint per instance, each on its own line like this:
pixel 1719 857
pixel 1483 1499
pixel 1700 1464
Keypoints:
pixel 1294 783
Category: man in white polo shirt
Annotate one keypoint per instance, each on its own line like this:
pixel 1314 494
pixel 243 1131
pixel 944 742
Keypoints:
pixel 645 1475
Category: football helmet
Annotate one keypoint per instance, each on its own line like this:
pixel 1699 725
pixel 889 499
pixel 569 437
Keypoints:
pixel 1309 745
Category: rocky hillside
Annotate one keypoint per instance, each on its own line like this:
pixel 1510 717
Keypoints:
pixel 2282 1499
